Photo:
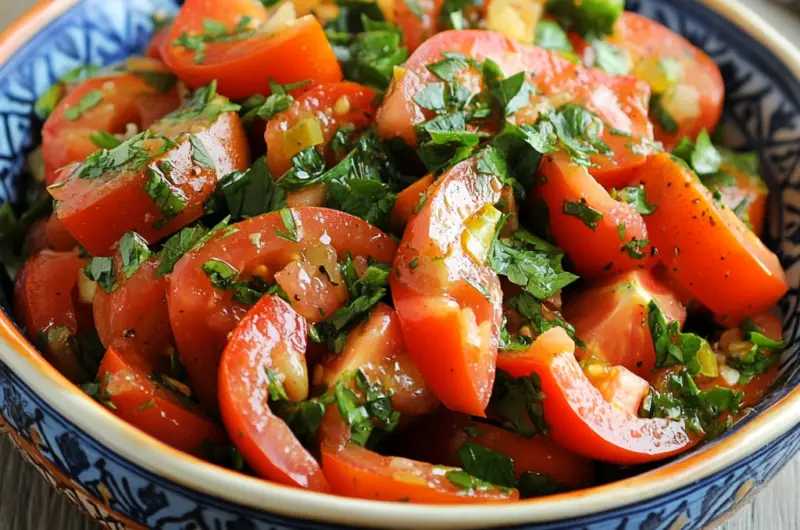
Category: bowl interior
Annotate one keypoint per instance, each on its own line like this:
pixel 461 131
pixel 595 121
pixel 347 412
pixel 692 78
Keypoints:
pixel 762 114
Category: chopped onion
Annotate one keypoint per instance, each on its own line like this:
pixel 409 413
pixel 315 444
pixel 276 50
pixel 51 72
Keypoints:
pixel 730 375
pixel 516 19
pixel 682 102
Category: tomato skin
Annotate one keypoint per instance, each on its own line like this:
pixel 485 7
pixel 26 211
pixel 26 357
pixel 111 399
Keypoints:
pixel 57 236
pixel 647 39
pixel 594 253
pixel 127 98
pixel 621 388
pixel 319 102
pixel 295 53
pixel 580 419
pixel 202 316
pixel 451 329
pixel 135 316
pixel 358 472
pixel 417 30
pixel 621 102
pixel 157 43
pixel 406 203
pixel 378 349
pixel 45 298
pixel 98 212
pixel 750 188
pixel 159 412
pixel 438 438
pixel 610 317
pixel 272 336
pixel 707 249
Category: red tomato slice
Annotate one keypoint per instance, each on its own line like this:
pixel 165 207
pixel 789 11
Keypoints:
pixel 610 317
pixel 580 419
pixel 333 105
pixel 57 236
pixel 245 66
pixel 438 438
pixel 46 303
pixel 706 247
pixel 128 383
pixel 406 203
pixel 135 316
pixel 270 339
pixel 98 211
pixel 376 347
pixel 202 316
pixel 619 386
pixel 621 102
pixel 358 472
pixel 604 250
pixel 417 29
pixel 123 98
pixel 449 304
pixel 649 45
pixel 157 43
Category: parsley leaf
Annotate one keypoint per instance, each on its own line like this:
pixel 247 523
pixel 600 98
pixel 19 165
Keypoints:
pixel 672 346
pixel 189 238
pixel 169 199
pixel 486 464
pixel 101 270
pixel 89 101
pixel 584 212
pixel 290 234
pixel 590 18
pixel 133 251
pixel 369 57
pixel 611 58
pixel 634 196
pixel 365 293
pixel 550 36
pixel 533 485
pixel 200 154
pixel 247 194
pixel 104 140
pixel 661 116
pixel 531 263
pixel 519 403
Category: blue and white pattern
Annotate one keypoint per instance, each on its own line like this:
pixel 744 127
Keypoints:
pixel 762 113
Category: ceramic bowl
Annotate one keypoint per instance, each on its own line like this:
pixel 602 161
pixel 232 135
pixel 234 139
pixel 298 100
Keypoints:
pixel 125 479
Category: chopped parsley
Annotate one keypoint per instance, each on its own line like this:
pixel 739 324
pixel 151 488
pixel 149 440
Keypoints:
pixel 531 263
pixel 486 464
pixel 89 101
pixel 266 107
pixel 213 31
pixel 590 18
pixel 130 155
pixel 104 140
pixel 190 238
pixel 635 196
pixel 101 270
pixel 290 225
pixel 133 251
pixel 245 194
pixel 200 155
pixel 518 402
pixel 672 346
pixel 530 309
pixel 611 58
pixel 169 199
pixel 584 212
pixel 204 103
pixel 661 116
pixel 365 293
pixel 550 36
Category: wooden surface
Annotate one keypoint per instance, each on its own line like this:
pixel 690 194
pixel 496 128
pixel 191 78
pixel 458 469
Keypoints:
pixel 27 502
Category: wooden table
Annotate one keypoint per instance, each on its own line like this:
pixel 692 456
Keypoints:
pixel 28 503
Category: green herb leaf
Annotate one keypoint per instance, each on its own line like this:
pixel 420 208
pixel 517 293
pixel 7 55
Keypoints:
pixel 190 238
pixel 287 217
pixel 221 274
pixel 611 58
pixel 170 200
pixel 533 485
pixel 661 116
pixel 89 101
pixel 200 154
pixel 101 270
pixel 104 140
pixel 133 251
pixel 550 36
pixel 247 194
pixel 519 403
pixel 584 212
pixel 590 18
pixel 486 464
pixel 635 196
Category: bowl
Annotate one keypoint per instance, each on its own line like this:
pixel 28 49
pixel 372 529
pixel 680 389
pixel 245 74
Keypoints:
pixel 125 479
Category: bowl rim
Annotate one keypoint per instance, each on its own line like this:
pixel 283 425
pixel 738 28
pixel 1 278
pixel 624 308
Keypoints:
pixel 193 474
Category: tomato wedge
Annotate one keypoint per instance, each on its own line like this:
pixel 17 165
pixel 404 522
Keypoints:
pixel 449 302
pixel 108 103
pixel 269 343
pixel 750 193
pixel 620 102
pixel 148 400
pixel 610 239
pixel 135 316
pixel 580 419
pixel 438 438
pixel 148 185
pixel 610 317
pixel 619 386
pixel 202 316
pixel 676 70
pixel 406 203
pixel 329 107
pixel 46 303
pixel 249 53
pixel 706 247
pixel 376 347
pixel 358 472
pixel 418 21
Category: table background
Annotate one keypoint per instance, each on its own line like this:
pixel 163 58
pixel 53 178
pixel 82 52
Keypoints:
pixel 28 503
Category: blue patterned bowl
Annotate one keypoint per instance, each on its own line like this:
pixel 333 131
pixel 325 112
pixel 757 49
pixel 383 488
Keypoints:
pixel 125 479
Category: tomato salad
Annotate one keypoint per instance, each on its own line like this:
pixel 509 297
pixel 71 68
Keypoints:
pixel 412 250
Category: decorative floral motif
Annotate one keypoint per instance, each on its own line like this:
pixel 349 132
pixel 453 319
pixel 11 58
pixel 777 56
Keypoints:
pixel 762 113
